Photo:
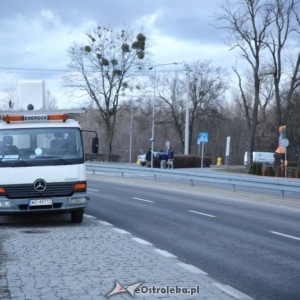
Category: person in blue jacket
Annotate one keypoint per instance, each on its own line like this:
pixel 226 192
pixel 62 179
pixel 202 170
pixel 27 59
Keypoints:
pixel 148 157
pixel 170 158
pixel 163 157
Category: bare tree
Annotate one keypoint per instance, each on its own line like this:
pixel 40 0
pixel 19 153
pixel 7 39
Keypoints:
pixel 8 98
pixel 248 23
pixel 50 101
pixel 103 68
pixel 286 26
pixel 171 92
pixel 205 86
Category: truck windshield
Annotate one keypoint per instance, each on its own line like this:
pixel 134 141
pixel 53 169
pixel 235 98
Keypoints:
pixel 40 146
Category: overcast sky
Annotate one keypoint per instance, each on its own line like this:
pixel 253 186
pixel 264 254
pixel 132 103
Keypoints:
pixel 35 34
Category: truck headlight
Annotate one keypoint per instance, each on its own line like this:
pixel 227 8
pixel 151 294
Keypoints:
pixel 78 200
pixel 5 204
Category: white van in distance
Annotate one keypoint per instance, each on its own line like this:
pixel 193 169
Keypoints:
pixel 260 157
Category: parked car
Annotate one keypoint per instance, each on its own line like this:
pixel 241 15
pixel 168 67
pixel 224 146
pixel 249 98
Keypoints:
pixel 142 158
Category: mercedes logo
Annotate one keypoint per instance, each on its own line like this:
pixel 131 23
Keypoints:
pixel 40 185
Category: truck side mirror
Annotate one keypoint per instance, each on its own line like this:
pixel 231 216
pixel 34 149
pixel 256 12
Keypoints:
pixel 95 145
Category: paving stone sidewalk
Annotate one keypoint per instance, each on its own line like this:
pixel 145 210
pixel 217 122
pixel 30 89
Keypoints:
pixel 50 258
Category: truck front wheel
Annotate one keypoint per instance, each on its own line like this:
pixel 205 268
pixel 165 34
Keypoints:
pixel 77 216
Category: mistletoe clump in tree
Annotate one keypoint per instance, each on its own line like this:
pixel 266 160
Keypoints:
pixel 103 67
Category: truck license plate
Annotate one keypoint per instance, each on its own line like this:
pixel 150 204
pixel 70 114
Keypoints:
pixel 35 202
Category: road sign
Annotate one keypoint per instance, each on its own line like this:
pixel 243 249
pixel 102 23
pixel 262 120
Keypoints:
pixel 285 142
pixel 203 137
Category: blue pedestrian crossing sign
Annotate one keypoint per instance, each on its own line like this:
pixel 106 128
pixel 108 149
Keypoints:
pixel 203 137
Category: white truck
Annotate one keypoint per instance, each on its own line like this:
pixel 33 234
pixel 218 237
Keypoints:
pixel 42 163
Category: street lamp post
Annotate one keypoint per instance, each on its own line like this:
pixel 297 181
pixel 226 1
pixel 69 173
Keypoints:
pixel 130 135
pixel 187 116
pixel 153 107
pixel 131 123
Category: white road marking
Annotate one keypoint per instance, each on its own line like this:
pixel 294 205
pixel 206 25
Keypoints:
pixel 164 253
pixel 191 268
pixel 200 213
pixel 286 235
pixel 139 199
pixel 89 216
pixel 141 241
pixel 92 190
pixel 231 291
pixel 105 223
pixel 121 231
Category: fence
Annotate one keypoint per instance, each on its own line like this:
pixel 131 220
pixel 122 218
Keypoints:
pixel 256 182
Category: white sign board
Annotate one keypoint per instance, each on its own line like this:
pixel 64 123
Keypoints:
pixel 228 146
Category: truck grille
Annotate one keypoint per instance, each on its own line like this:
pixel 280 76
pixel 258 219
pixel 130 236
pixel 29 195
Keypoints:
pixel 22 191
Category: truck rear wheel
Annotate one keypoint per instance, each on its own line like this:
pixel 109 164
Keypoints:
pixel 77 216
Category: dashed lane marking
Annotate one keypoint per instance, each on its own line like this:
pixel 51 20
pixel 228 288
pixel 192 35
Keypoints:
pixel 144 200
pixel 200 213
pixel 286 235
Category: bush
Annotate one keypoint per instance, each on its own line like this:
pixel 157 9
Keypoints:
pixel 103 157
pixel 156 163
pixel 186 161
pixel 259 169
pixel 281 171
pixel 252 169
pixel 190 161
pixel 293 164
pixel 256 169
pixel 271 171
pixel 293 173
pixel 268 171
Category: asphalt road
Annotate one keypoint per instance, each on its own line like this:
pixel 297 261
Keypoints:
pixel 251 245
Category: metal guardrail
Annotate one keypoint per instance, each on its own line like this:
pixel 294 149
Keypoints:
pixel 268 183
